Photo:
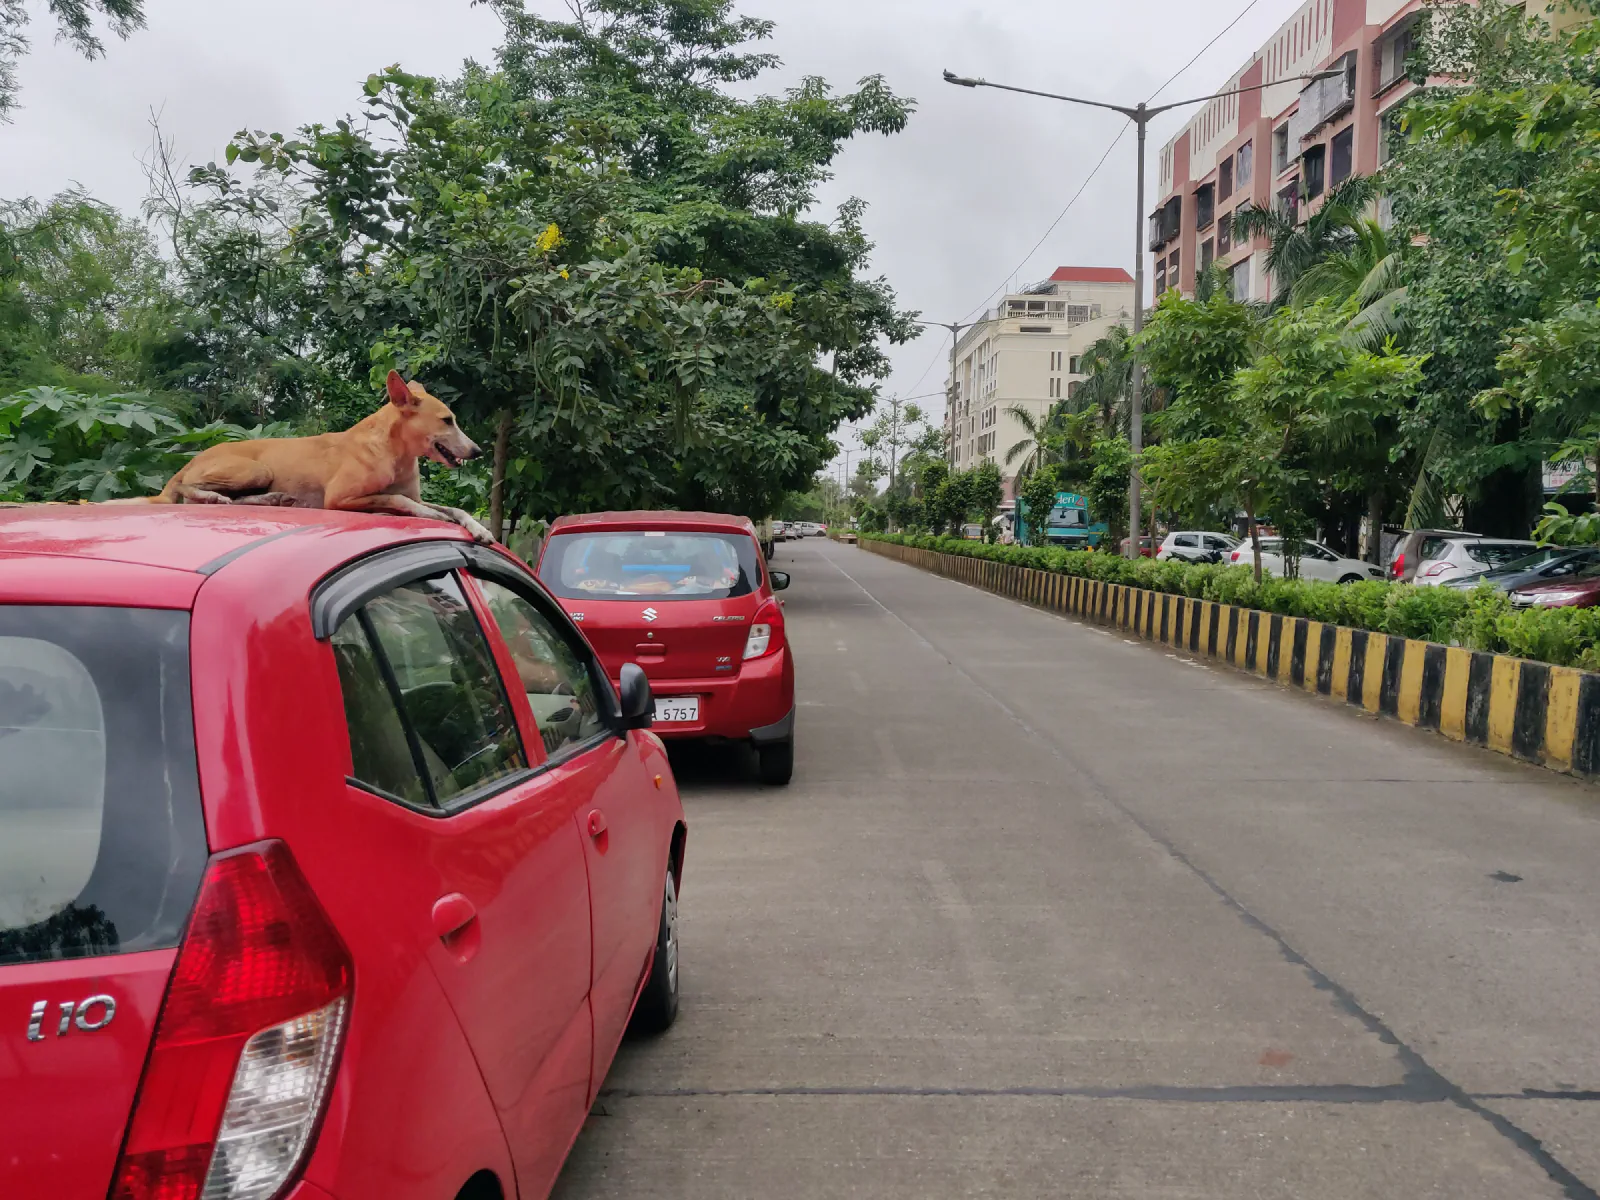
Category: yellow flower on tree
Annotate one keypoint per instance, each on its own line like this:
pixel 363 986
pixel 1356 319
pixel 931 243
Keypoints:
pixel 549 239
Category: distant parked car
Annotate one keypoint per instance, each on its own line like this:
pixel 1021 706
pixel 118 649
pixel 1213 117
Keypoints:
pixel 782 531
pixel 1452 558
pixel 1317 562
pixel 1579 590
pixel 1196 547
pixel 1147 547
pixel 1542 566
pixel 1416 545
pixel 972 533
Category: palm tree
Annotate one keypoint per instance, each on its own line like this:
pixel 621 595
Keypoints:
pixel 1108 363
pixel 1367 271
pixel 1041 440
pixel 1296 247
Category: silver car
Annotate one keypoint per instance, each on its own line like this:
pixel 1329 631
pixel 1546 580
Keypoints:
pixel 1444 559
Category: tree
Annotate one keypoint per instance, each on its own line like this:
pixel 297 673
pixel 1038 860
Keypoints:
pixel 1038 496
pixel 1108 363
pixel 1040 444
pixel 1467 287
pixel 1295 247
pixel 76 20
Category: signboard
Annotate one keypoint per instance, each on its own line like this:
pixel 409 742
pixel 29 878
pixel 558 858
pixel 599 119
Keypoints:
pixel 1071 500
pixel 1561 475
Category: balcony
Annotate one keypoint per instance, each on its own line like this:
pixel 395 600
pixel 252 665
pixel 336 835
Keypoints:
pixel 1205 205
pixel 1324 99
pixel 1164 222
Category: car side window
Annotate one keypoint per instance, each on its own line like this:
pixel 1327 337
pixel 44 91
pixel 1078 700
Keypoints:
pixel 380 750
pixel 559 682
pixel 435 659
pixel 1186 540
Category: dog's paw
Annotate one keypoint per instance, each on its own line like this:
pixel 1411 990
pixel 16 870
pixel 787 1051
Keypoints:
pixel 479 534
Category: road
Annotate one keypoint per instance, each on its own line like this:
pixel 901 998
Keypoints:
pixel 1051 913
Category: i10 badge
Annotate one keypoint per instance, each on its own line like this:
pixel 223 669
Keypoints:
pixel 88 1015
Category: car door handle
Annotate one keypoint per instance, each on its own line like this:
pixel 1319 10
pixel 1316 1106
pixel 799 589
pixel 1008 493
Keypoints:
pixel 597 823
pixel 452 914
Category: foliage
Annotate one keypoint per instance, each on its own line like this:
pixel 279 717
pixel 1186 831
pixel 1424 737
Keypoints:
pixel 63 445
pixel 76 21
pixel 1479 620
pixel 1296 246
pixel 1562 528
pixel 1038 495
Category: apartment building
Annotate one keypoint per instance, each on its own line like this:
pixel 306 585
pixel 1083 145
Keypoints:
pixel 1026 352
pixel 1285 145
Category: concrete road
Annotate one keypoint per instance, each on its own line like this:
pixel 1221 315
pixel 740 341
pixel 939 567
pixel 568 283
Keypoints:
pixel 1051 913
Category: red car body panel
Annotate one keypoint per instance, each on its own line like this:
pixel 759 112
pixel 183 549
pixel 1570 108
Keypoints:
pixel 693 647
pixel 1584 592
pixel 478 1052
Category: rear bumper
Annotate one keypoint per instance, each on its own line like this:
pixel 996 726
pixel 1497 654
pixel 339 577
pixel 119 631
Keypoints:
pixel 758 705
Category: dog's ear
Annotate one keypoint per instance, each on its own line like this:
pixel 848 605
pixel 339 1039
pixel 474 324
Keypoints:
pixel 399 393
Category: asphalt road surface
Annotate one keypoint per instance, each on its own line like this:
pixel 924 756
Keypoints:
pixel 1047 912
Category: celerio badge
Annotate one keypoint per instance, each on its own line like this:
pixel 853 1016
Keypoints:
pixel 649 614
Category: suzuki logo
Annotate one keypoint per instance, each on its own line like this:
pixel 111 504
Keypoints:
pixel 726 658
pixel 649 614
pixel 78 1014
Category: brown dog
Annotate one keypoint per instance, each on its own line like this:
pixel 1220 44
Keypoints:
pixel 370 467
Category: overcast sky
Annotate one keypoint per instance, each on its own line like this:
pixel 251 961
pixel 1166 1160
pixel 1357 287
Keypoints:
pixel 956 203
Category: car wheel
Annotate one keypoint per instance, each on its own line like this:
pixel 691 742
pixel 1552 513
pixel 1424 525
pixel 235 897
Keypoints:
pixel 1351 579
pixel 658 1003
pixel 777 762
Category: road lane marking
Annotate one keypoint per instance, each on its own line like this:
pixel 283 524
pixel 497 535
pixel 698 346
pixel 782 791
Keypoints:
pixel 981 968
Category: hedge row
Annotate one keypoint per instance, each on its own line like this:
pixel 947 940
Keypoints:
pixel 1479 620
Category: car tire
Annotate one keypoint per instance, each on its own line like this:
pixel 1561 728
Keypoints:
pixel 1350 579
pixel 776 762
pixel 658 1003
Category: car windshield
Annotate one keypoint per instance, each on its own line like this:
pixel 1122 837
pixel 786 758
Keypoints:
pixel 1495 554
pixel 1531 562
pixel 656 563
pixel 102 840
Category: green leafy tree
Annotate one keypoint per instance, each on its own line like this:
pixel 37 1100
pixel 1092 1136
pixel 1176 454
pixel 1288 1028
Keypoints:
pixel 75 20
pixel 1295 246
pixel 1038 496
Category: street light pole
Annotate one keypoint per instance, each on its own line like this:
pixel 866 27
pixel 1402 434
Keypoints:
pixel 1141 115
pixel 955 328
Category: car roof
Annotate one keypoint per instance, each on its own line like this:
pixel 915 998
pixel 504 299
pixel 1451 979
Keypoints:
pixel 143 541
pixel 656 519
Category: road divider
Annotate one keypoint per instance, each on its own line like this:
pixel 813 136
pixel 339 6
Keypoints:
pixel 1533 711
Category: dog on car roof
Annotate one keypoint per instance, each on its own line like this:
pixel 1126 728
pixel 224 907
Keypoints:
pixel 370 467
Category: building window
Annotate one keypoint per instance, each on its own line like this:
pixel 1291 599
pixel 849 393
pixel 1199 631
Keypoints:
pixel 1208 254
pixel 1164 222
pixel 1241 176
pixel 1341 155
pixel 1172 270
pixel 1161 280
pixel 1391 134
pixel 1239 281
pixel 1288 204
pixel 1072 366
pixel 1393 53
pixel 1072 389
pixel 1225 179
pixel 1077 314
pixel 1225 234
pixel 1205 206
pixel 1316 164
pixel 1280 150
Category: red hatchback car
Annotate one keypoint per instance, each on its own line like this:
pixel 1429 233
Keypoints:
pixel 689 598
pixel 332 867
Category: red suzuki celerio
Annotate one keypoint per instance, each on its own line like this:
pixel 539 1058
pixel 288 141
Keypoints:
pixel 688 597
pixel 332 866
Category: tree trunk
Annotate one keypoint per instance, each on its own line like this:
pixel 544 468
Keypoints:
pixel 1375 523
pixel 1255 537
pixel 497 480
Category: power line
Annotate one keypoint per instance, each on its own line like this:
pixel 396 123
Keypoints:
pixel 1203 49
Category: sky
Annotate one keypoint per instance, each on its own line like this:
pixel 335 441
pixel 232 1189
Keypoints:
pixel 957 202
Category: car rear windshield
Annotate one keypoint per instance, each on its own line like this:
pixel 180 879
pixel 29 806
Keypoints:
pixel 1496 554
pixel 102 841
pixel 656 563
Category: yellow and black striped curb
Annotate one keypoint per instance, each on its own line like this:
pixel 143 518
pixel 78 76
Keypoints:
pixel 1532 711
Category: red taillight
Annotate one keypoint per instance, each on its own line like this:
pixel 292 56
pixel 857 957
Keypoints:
pixel 766 632
pixel 248 1033
pixel 1398 566
pixel 1234 557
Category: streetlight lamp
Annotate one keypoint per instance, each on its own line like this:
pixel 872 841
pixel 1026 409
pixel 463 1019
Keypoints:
pixel 1141 115
pixel 955 328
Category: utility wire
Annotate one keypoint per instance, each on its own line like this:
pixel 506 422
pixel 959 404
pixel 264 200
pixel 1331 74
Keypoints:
pixel 1115 142
pixel 1225 29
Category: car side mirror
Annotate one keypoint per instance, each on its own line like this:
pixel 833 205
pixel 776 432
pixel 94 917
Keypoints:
pixel 635 699
pixel 780 580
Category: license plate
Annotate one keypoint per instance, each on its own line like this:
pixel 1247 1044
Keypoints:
pixel 677 710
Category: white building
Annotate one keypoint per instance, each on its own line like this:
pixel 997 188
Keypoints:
pixel 1026 353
